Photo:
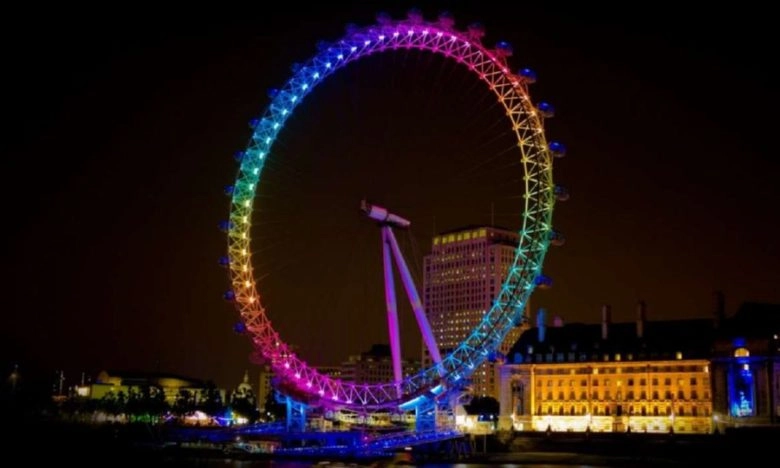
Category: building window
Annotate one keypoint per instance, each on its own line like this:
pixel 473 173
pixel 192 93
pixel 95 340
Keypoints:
pixel 630 382
pixel 693 380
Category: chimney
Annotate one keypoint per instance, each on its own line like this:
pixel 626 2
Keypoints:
pixel 719 308
pixel 557 321
pixel 606 317
pixel 641 317
pixel 541 318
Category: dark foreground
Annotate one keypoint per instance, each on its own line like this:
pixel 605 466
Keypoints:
pixel 143 445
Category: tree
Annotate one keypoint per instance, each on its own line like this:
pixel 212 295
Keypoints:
pixel 212 403
pixel 486 407
pixel 244 403
pixel 184 403
pixel 274 409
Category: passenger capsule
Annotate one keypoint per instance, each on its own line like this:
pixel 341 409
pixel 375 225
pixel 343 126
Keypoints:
pixel 229 189
pixel 476 30
pixel 415 15
pixel 224 261
pixel 254 123
pixel 239 156
pixel 273 92
pixel 546 109
pixel 543 282
pixel 528 75
pixel 557 149
pixel 446 20
pixel 229 296
pixel 557 238
pixel 295 67
pixel 383 18
pixel 225 226
pixel 504 48
pixel 561 193
pixel 239 327
pixel 350 28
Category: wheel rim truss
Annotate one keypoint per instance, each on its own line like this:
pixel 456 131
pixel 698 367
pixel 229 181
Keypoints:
pixel 511 90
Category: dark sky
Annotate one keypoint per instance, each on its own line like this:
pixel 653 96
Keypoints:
pixel 119 134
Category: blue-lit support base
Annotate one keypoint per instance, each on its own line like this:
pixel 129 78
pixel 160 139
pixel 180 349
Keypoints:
pixel 425 417
pixel 296 415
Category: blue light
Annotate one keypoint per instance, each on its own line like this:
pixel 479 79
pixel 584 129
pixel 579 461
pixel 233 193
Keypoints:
pixel 229 189
pixel 224 261
pixel 229 295
pixel 239 156
pixel 528 74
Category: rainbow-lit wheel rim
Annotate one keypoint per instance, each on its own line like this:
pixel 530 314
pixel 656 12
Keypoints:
pixel 490 65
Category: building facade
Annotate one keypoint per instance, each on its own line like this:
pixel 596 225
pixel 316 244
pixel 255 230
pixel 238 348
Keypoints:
pixel 110 383
pixel 687 376
pixel 610 377
pixel 746 368
pixel 374 366
pixel 462 276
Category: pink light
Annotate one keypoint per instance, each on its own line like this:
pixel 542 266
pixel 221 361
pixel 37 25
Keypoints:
pixel 411 31
pixel 382 37
pixel 396 34
pixel 297 375
pixel 308 384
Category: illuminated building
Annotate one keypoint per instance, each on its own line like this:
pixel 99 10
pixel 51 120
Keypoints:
pixel 463 274
pixel 374 366
pixel 746 367
pixel 639 376
pixel 112 383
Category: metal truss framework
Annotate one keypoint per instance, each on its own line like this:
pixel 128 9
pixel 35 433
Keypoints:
pixel 511 90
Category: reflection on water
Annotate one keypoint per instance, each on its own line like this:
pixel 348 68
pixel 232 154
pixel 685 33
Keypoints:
pixel 230 463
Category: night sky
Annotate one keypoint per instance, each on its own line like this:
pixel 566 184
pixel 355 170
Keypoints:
pixel 119 135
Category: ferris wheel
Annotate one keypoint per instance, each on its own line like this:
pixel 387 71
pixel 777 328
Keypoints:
pixel 534 152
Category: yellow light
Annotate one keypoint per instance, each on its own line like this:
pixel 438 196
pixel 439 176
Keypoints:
pixel 244 268
pixel 251 299
pixel 243 251
pixel 244 219
pixel 247 283
pixel 246 203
